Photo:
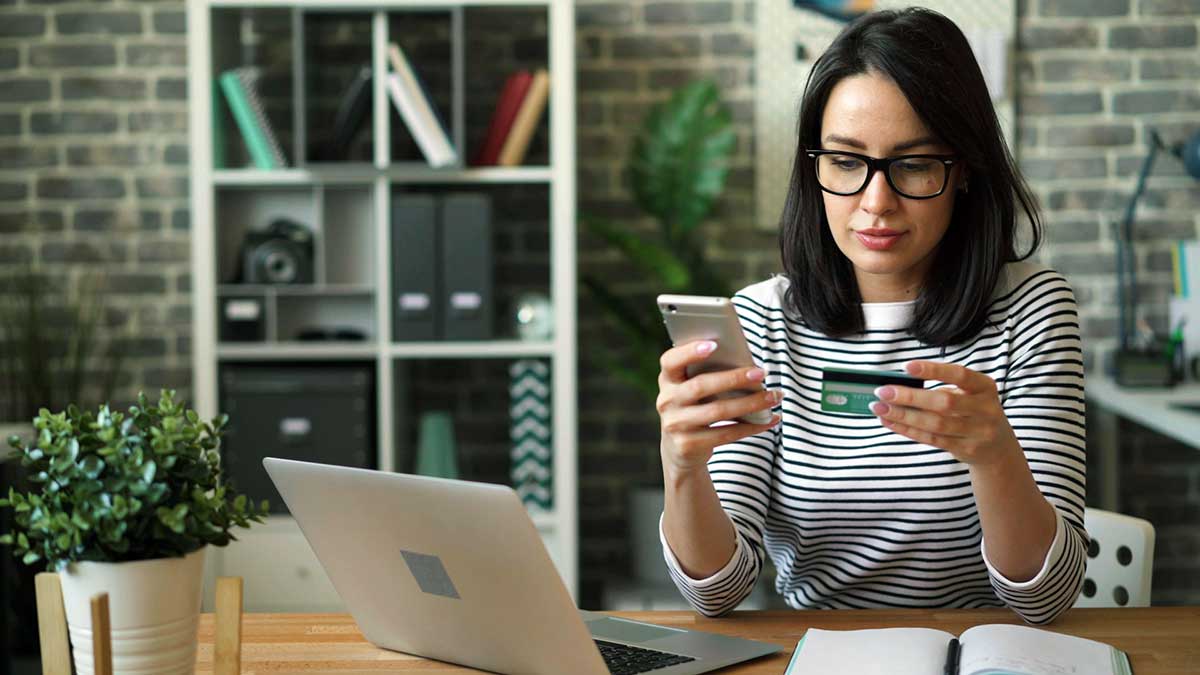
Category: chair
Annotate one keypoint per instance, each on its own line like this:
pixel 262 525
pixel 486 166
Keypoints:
pixel 1120 560
pixel 56 649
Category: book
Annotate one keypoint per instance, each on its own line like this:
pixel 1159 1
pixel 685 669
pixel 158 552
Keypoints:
pixel 516 85
pixel 992 649
pixel 412 99
pixel 526 122
pixel 351 112
pixel 1185 266
pixel 218 122
pixel 240 87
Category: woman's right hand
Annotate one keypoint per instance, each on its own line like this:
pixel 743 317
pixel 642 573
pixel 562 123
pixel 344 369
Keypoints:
pixel 688 437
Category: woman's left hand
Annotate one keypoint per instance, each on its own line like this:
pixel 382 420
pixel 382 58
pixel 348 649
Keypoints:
pixel 966 419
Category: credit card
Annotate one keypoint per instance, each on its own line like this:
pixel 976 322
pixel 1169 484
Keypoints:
pixel 851 391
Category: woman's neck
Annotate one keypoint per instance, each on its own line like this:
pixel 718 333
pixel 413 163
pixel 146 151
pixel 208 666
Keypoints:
pixel 887 288
pixel 896 287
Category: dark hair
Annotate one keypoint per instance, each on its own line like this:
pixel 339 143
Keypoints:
pixel 929 59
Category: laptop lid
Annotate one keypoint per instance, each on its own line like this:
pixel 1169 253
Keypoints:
pixel 444 569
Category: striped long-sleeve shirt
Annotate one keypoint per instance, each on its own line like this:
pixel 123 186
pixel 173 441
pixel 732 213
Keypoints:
pixel 856 516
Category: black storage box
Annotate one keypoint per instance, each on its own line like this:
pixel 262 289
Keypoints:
pixel 311 413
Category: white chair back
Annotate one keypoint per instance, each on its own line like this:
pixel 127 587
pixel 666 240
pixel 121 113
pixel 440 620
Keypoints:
pixel 1120 560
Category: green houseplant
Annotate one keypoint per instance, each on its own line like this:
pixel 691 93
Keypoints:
pixel 677 169
pixel 55 350
pixel 125 503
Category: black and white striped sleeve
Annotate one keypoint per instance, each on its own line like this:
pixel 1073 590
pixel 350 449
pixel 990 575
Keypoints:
pixel 1043 398
pixel 741 474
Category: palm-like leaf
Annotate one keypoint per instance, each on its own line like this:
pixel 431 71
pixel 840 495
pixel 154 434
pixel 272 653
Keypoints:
pixel 652 258
pixel 678 167
pixel 680 158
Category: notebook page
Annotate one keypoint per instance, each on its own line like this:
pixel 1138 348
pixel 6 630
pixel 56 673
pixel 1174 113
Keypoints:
pixel 881 651
pixel 1019 650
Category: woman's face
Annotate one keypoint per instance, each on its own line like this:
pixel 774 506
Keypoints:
pixel 889 238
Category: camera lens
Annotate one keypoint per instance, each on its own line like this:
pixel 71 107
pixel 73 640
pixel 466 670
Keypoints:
pixel 671 308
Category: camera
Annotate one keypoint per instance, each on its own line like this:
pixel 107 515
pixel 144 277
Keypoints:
pixel 280 254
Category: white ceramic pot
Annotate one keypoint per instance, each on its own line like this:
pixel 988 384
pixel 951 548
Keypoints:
pixel 154 609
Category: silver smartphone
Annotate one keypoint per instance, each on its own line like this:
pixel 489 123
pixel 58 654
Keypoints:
pixel 700 317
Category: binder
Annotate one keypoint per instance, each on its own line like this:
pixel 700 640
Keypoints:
pixel 466 254
pixel 415 305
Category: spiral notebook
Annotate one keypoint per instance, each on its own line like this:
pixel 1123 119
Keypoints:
pixel 993 649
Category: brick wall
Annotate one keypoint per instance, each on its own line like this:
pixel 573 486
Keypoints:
pixel 93 175
pixel 1096 77
pixel 93 164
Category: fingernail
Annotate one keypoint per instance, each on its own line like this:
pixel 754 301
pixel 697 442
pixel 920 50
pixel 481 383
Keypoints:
pixel 913 367
pixel 886 393
pixel 880 408
pixel 777 395
pixel 756 374
pixel 706 346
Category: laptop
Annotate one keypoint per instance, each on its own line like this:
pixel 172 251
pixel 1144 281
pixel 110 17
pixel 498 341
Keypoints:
pixel 455 571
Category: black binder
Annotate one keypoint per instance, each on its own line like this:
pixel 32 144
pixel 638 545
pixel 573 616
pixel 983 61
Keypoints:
pixel 415 297
pixel 466 253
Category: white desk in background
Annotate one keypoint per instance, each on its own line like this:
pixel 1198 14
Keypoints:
pixel 1162 409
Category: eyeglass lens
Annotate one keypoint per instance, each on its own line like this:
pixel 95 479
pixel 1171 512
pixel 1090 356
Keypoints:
pixel 914 176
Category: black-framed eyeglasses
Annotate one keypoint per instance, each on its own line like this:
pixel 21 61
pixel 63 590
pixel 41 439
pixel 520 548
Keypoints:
pixel 912 176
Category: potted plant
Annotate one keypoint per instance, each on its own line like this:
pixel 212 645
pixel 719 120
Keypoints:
pixel 55 350
pixel 677 170
pixel 125 503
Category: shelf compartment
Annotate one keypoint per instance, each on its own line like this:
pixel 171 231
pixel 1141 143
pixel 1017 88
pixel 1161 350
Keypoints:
pixel 347 240
pixel 242 211
pixel 296 314
pixel 337 87
pixel 260 38
pixel 498 42
pixel 425 38
pixel 519 247
pixel 484 402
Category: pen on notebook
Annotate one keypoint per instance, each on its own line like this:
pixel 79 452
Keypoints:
pixel 951 658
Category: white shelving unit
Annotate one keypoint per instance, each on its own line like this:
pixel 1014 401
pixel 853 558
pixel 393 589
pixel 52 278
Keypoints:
pixel 280 571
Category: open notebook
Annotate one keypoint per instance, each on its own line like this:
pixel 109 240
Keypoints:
pixel 993 649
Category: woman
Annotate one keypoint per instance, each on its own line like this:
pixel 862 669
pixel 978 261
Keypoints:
pixel 898 242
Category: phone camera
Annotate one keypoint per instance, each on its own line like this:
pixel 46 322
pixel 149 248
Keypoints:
pixel 672 309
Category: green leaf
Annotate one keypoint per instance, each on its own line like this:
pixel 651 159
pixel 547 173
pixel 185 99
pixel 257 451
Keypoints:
pixel 31 557
pixel 148 470
pixel 680 158
pixel 652 258
pixel 92 466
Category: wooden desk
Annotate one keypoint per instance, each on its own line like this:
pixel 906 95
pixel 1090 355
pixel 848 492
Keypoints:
pixel 1159 640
